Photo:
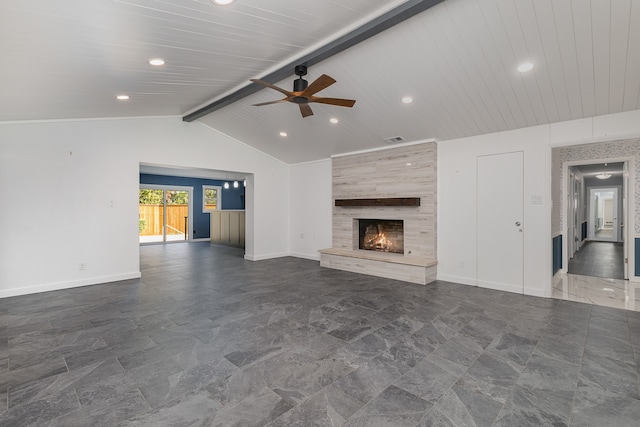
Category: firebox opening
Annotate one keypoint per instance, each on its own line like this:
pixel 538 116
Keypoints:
pixel 381 235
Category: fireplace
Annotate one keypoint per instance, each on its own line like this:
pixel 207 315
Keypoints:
pixel 382 235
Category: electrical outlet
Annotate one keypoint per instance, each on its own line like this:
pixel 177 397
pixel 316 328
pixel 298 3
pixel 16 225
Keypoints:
pixel 82 266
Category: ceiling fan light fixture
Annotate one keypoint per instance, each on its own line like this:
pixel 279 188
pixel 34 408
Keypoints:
pixel 603 175
pixel 156 62
pixel 122 97
pixel 283 134
pixel 407 100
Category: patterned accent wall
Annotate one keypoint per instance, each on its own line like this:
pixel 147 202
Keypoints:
pixel 600 150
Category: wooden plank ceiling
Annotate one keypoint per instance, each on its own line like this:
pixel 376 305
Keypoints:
pixel 68 59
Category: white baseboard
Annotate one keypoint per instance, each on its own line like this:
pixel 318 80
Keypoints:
pixel 536 293
pixel 265 256
pixel 457 279
pixel 47 287
pixel 204 239
pixel 305 256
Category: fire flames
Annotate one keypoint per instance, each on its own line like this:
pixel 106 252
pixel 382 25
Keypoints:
pixel 379 242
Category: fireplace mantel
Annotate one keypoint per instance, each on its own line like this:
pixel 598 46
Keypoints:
pixel 388 201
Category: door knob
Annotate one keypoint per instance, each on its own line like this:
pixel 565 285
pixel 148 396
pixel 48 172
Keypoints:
pixel 517 223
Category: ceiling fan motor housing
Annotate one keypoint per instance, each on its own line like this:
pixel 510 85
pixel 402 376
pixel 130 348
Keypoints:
pixel 299 85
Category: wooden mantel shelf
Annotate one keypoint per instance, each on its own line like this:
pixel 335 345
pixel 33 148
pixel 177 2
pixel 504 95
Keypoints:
pixel 389 201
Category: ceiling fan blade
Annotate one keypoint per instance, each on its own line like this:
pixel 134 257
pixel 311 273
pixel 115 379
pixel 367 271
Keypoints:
pixel 334 101
pixel 274 87
pixel 305 110
pixel 270 102
pixel 318 84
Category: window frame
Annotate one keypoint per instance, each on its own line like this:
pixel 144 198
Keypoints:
pixel 218 188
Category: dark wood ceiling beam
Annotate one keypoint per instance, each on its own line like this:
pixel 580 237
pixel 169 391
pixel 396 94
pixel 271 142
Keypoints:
pixel 370 29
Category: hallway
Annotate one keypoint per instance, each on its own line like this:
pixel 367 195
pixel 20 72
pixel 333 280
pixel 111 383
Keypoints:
pixel 599 259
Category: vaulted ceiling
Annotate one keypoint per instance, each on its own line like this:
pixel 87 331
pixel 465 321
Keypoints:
pixel 68 59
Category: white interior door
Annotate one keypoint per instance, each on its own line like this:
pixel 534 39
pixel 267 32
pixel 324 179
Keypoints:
pixel 500 222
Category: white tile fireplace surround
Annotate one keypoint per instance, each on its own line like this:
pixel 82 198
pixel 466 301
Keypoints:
pixel 397 184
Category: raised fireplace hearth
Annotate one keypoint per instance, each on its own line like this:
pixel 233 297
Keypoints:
pixel 381 235
pixel 384 213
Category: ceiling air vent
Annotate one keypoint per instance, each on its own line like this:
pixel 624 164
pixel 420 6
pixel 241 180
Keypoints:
pixel 393 140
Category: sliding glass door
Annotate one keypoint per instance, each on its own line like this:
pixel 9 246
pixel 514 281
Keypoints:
pixel 164 214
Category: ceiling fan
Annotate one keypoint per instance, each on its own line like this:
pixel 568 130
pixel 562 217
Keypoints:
pixel 302 93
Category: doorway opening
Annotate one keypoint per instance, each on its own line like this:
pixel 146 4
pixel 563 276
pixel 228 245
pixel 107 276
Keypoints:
pixel 596 217
pixel 164 213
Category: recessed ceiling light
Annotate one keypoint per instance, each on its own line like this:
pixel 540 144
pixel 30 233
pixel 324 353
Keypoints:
pixel 334 120
pixel 525 67
pixel 283 134
pixel 408 164
pixel 608 290
pixel 407 100
pixel 223 2
pixel 156 61
pixel 122 97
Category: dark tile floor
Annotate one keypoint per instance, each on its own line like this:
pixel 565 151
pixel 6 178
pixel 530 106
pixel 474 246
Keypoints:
pixel 206 338
pixel 600 259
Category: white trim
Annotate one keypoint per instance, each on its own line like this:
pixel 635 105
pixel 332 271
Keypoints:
pixel 265 256
pixel 202 239
pixel 386 147
pixel 46 287
pixel 456 279
pixel 305 256
pixel 87 119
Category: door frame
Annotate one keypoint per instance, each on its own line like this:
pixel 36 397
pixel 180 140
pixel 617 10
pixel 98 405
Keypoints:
pixel 190 219
pixel 629 224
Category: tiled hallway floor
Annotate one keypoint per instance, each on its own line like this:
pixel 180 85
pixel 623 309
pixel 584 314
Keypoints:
pixel 206 338
pixel 599 259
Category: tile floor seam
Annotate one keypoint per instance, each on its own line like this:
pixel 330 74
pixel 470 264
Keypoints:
pixel 145 399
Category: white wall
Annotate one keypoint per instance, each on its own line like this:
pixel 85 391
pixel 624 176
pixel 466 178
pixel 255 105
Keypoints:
pixel 57 180
pixel 457 192
pixel 457 205
pixel 311 207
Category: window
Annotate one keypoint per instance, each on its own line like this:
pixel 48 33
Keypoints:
pixel 211 198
